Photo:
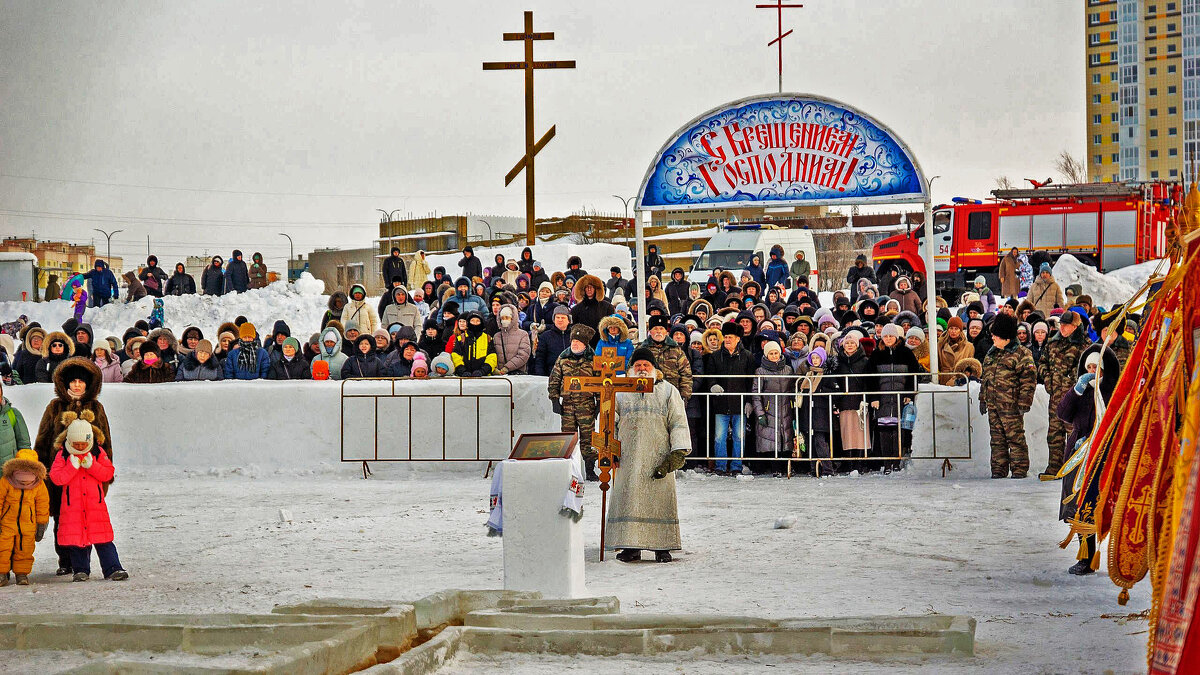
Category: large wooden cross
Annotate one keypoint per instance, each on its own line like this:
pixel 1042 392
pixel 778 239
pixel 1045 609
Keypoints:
pixel 531 148
pixel 607 384
pixel 779 7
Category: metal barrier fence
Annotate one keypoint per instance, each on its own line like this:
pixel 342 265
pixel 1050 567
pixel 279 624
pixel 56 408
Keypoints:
pixel 377 421
pixel 815 421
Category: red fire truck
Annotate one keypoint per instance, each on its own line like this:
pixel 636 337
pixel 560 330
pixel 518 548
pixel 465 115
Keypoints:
pixel 1106 225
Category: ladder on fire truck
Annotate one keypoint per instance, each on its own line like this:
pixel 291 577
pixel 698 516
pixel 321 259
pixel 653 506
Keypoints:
pixel 1147 233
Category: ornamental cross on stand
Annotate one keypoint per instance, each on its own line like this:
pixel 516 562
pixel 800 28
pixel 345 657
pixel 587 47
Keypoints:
pixel 779 7
pixel 607 384
pixel 531 148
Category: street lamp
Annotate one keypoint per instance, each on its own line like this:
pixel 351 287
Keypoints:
pixel 291 254
pixel 491 237
pixel 625 203
pixel 108 236
pixel 930 274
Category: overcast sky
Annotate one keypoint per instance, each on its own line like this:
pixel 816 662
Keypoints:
pixel 352 106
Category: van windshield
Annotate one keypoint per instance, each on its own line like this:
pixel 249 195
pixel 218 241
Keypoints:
pixel 726 260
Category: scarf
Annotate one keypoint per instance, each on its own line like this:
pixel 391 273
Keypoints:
pixel 247 360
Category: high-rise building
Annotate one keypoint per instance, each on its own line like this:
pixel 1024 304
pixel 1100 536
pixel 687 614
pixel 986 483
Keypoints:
pixel 1143 89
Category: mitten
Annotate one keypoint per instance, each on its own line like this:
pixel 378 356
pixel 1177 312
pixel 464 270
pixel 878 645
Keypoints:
pixel 670 464
pixel 86 461
pixel 41 531
pixel 1084 381
pixel 485 371
pixel 556 405
pixel 460 371
pixel 982 407
pixel 74 461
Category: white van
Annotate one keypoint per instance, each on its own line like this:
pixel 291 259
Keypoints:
pixel 733 245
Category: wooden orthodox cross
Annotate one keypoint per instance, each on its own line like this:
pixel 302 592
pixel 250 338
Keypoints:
pixel 607 384
pixel 531 148
pixel 779 7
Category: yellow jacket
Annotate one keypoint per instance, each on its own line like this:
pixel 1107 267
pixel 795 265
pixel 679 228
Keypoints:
pixel 22 510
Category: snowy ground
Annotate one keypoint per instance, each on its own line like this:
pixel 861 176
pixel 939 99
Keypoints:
pixel 863 545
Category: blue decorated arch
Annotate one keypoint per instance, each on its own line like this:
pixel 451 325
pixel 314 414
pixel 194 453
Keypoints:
pixel 781 150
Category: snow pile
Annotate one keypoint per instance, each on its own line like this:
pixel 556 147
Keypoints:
pixel 597 258
pixel 957 419
pixel 300 304
pixel 294 427
pixel 1106 290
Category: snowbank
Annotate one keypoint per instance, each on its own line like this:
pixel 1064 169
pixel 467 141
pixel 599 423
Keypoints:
pixel 294 426
pixel 597 258
pixel 300 304
pixel 956 414
pixel 1106 289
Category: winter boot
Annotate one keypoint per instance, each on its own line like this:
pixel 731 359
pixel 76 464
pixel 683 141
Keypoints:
pixel 629 555
pixel 119 575
pixel 22 579
pixel 1081 568
pixel 80 576
pixel 590 472
pixel 63 571
pixel 662 556
pixel 1048 475
pixel 4 580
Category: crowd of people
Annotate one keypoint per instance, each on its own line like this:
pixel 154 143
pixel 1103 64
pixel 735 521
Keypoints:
pixel 768 372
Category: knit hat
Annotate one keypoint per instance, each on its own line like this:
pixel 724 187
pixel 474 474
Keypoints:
pixel 381 333
pixel 1042 325
pixel 819 352
pixel 732 328
pixel 915 332
pixel 1093 359
pixel 771 346
pixel 696 336
pixel 1004 326
pixel 419 363
pixel 891 329
pixel 246 331
pixel 642 354
pixel 293 342
pixel 1045 267
pixel 561 309
pixel 545 285
pixel 955 322
pixel 205 346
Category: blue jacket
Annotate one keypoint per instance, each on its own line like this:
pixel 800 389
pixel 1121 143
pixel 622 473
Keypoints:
pixel 624 348
pixel 777 272
pixel 470 303
pixel 756 273
pixel 551 343
pixel 104 283
pixel 232 372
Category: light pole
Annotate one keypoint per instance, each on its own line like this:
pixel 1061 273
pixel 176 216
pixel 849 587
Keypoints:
pixel 491 236
pixel 625 203
pixel 108 236
pixel 930 284
pixel 291 254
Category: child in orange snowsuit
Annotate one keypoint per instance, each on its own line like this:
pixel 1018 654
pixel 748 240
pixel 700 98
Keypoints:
pixel 25 503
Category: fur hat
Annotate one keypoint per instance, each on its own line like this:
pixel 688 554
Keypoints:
pixel 732 328
pixel 583 333
pixel 657 320
pixel 1004 326
pixel 955 322
pixel 642 354
pixel 589 280
pixel 970 368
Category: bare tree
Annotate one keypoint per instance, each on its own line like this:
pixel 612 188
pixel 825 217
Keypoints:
pixel 1003 183
pixel 1069 168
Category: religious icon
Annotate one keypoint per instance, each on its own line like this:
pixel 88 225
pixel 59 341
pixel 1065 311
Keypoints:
pixel 558 445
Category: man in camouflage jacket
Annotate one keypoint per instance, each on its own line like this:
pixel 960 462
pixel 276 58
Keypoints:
pixel 1056 371
pixel 578 410
pixel 670 357
pixel 1005 395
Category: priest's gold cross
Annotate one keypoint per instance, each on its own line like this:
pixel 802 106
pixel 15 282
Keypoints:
pixel 605 442
pixel 531 148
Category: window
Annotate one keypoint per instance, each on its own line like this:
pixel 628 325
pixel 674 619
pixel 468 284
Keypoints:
pixel 1154 174
pixel 1153 71
pixel 1115 117
pixel 1173 152
pixel 1095 98
pixel 1116 137
pixel 1170 69
pixel 1154 133
pixel 1154 112
pixel 1153 154
pixel 1152 30
pixel 1171 48
pixel 1170 28
pixel 1172 131
pixel 1115 178
pixel 1097 139
pixel 1114 97
pixel 1152 9
pixel 1153 91
pixel 1095 119
pixel 1171 110
pixel 1095 78
pixel 1099 159
pixel 1094 39
pixel 979 225
pixel 1170 7
pixel 1171 89
pixel 1153 51
pixel 1094 59
pixel 1112 77
pixel 1093 19
pixel 1174 173
pixel 1116 157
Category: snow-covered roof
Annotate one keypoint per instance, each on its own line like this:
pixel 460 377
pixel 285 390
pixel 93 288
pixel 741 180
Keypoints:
pixel 16 255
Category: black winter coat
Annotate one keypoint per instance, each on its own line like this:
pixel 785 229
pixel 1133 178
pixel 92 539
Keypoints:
pixel 394 267
pixel 471 267
pixel 212 281
pixel 296 369
pixel 721 362
pixel 851 365
pixel 677 293
pixel 160 280
pixel 361 365
pixel 537 279
pixel 854 275
pixel 589 313
pixel 181 283
pixel 892 365
pixel 551 343
pixel 237 277
pixel 25 364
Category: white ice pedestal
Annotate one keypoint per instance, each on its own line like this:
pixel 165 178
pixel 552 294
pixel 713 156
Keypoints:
pixel 543 549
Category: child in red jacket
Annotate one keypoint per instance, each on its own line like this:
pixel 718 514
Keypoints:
pixel 81 468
